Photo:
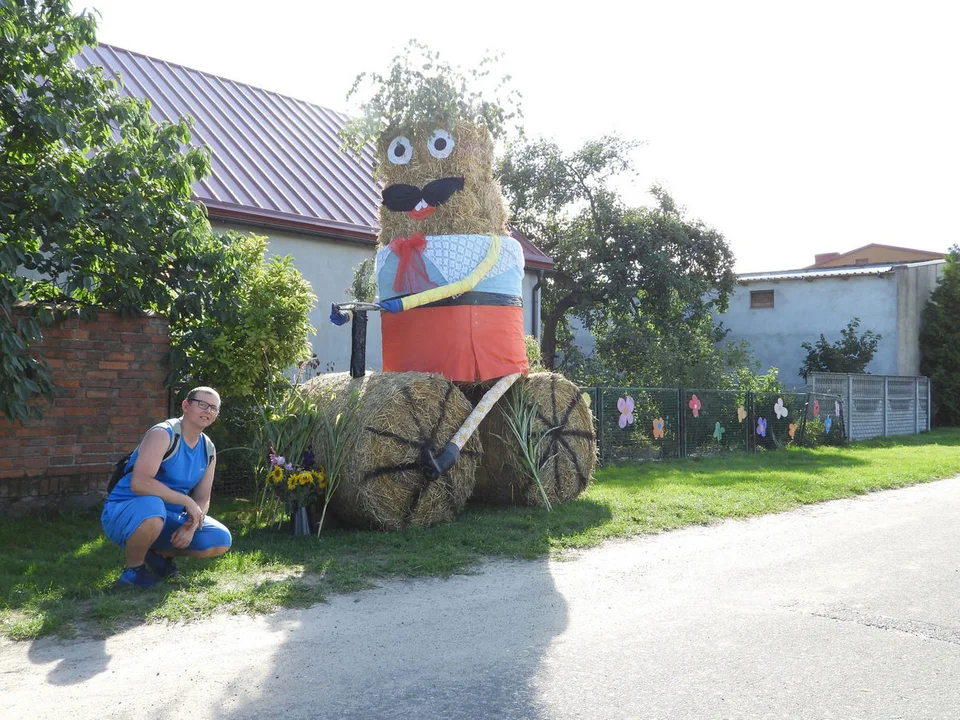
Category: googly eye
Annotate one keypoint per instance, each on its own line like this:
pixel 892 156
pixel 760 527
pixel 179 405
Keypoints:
pixel 400 150
pixel 440 144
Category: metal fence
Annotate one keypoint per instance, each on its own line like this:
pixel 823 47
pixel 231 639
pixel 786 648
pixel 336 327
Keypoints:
pixel 878 405
pixel 671 423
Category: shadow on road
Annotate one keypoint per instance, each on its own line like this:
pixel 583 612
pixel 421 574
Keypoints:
pixel 461 647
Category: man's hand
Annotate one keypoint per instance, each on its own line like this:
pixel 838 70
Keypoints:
pixel 194 513
pixel 183 536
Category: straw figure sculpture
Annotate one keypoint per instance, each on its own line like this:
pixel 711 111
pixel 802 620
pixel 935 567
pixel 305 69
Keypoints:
pixel 564 437
pixel 383 485
pixel 449 277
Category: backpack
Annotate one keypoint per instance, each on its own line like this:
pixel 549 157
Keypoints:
pixel 120 469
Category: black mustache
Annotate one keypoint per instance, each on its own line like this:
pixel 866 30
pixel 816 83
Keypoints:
pixel 401 198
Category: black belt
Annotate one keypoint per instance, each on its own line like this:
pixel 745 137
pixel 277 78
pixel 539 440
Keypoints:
pixel 476 298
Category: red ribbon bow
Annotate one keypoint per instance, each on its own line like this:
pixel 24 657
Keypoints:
pixel 411 274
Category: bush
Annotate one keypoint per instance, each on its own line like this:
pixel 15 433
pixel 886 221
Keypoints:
pixel 940 342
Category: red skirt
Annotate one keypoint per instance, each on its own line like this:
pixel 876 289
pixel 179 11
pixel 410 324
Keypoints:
pixel 466 343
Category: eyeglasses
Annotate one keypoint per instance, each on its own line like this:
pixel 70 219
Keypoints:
pixel 205 406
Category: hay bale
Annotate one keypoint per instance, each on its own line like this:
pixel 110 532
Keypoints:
pixel 383 485
pixel 568 454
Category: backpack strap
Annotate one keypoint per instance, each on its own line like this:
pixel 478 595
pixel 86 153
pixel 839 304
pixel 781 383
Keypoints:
pixel 211 448
pixel 173 425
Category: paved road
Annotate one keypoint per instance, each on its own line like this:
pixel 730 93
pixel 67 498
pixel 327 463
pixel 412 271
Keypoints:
pixel 843 610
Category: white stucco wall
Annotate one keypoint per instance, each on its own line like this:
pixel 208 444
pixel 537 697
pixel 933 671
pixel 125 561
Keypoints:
pixel 803 309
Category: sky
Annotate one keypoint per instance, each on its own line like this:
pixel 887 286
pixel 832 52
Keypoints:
pixel 792 128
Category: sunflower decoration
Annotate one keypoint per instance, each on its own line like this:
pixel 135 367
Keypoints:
pixel 295 485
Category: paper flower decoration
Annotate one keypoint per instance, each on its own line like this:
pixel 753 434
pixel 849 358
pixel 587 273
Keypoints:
pixel 718 431
pixel 658 427
pixel 828 423
pixel 816 408
pixel 741 414
pixel 625 406
pixel 836 408
pixel 587 398
pixel 694 405
pixel 779 410
pixel 762 427
pixel 792 430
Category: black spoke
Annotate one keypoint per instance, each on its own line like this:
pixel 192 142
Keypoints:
pixel 394 436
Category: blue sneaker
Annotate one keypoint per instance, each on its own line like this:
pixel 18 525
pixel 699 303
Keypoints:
pixel 163 567
pixel 137 577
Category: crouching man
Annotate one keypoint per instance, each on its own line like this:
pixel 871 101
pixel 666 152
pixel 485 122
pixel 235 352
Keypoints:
pixel 158 509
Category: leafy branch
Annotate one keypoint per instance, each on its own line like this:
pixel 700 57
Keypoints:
pixel 520 414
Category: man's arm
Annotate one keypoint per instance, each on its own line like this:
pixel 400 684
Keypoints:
pixel 201 493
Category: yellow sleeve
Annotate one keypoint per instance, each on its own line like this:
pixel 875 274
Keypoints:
pixel 461 286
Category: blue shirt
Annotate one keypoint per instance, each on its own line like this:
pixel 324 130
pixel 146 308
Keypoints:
pixel 180 472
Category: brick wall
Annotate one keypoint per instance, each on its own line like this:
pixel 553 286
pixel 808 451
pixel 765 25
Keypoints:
pixel 109 375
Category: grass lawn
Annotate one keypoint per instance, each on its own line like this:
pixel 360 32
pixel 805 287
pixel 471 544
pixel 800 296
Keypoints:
pixel 57 575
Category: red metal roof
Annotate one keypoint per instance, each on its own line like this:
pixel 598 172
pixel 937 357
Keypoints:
pixel 276 161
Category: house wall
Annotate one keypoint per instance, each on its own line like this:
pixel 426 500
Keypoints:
pixel 110 377
pixel 328 265
pixel 879 255
pixel 805 308
pixel 914 285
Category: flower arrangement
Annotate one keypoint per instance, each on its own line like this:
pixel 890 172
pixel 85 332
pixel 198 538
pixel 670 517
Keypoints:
pixel 296 486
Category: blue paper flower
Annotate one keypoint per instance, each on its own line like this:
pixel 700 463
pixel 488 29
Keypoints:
pixel 761 427
pixel 828 423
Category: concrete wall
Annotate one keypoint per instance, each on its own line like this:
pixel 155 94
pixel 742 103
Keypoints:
pixel 803 309
pixel 914 285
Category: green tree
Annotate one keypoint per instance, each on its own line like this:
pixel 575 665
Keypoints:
pixel 255 326
pixel 940 342
pixel 642 280
pixel 96 213
pixel 850 354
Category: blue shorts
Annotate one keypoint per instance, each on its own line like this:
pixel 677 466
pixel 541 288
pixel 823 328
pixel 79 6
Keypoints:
pixel 121 518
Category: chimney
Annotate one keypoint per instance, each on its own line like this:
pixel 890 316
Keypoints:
pixel 821 258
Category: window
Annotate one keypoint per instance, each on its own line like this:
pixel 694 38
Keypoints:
pixel 761 298
pixel 862 261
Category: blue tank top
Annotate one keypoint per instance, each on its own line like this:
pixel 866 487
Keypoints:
pixel 181 471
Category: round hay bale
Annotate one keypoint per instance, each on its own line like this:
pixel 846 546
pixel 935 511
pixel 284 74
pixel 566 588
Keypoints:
pixel 397 414
pixel 567 453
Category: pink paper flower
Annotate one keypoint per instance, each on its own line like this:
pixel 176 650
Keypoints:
pixel 694 405
pixel 816 408
pixel 625 406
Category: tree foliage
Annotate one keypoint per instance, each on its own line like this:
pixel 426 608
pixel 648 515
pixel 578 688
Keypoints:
pixel 421 89
pixel 96 209
pixel 850 354
pixel 642 280
pixel 255 326
pixel 940 342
